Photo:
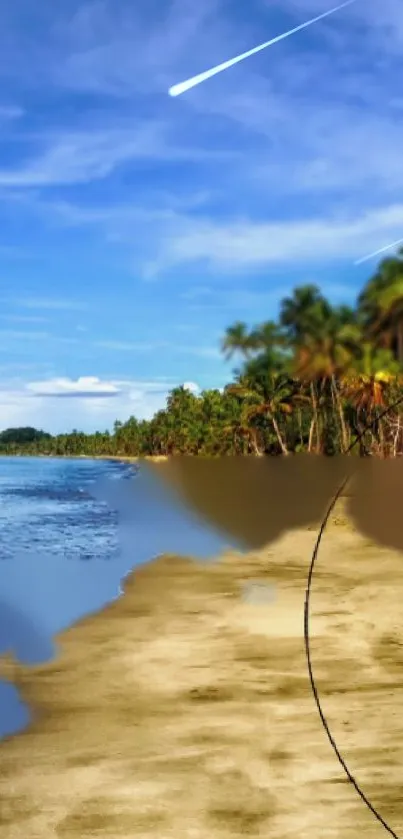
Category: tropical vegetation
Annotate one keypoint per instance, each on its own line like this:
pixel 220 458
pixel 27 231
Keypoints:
pixel 316 380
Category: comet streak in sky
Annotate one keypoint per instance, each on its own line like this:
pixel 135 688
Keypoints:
pixel 182 87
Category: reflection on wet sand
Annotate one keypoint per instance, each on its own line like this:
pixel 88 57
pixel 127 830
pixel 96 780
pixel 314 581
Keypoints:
pixel 184 711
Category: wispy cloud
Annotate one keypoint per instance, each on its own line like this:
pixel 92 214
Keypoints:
pixel 127 346
pixel 30 342
pixel 24 318
pixel 45 303
pixel 84 386
pixel 86 156
pixel 26 335
pixel 239 245
pixel 10 112
pixel 96 45
pixel 198 292
pixel 155 346
pixel 82 157
pixel 233 243
pixel 22 367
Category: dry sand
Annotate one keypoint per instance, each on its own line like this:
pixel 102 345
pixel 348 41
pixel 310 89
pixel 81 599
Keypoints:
pixel 182 712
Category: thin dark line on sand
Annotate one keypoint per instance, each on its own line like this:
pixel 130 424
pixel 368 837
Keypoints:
pixel 308 592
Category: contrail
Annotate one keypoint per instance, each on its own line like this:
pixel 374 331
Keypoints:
pixel 182 87
pixel 375 253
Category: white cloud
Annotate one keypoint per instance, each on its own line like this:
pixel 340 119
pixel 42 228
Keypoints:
pixel 193 387
pixel 240 245
pixel 226 244
pixel 39 403
pixel 81 157
pixel 83 386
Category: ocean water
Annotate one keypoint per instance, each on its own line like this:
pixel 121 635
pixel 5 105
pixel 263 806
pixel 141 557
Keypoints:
pixel 70 530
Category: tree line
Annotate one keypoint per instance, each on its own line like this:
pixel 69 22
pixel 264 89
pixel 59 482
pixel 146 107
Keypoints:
pixel 313 380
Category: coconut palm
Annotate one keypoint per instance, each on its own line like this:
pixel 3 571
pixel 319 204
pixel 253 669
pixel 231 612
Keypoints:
pixel 380 306
pixel 328 354
pixel 302 313
pixel 238 339
pixel 367 385
pixel 268 396
pixel 303 317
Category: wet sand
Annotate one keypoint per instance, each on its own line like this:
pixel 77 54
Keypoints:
pixel 184 712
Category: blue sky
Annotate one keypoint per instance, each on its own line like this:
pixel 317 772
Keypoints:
pixel 135 227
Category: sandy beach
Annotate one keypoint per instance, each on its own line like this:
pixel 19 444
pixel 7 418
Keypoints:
pixel 183 711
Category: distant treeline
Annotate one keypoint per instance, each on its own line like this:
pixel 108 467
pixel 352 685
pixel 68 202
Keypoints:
pixel 311 381
pixel 22 436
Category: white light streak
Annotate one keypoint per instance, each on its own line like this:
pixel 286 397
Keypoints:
pixel 375 253
pixel 182 87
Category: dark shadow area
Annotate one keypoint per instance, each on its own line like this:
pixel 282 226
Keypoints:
pixel 256 500
pixel 376 501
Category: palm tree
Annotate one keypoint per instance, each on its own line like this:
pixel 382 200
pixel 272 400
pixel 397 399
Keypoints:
pixel 380 306
pixel 302 312
pixel 238 433
pixel 329 353
pixel 238 339
pixel 302 317
pixel 266 397
pixel 367 386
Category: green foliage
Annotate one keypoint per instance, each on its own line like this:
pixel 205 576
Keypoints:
pixel 21 436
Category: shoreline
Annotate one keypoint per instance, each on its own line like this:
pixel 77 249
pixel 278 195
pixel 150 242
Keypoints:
pixel 118 458
pixel 120 586
pixel 182 710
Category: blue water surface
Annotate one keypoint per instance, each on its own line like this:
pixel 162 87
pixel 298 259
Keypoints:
pixel 70 530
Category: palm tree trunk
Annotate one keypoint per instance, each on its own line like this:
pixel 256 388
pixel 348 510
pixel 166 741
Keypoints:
pixel 315 414
pixel 254 441
pixel 381 439
pixel 258 452
pixel 300 429
pixel 339 407
pixel 311 430
pixel 396 436
pixel 400 341
pixel 278 434
pixel 362 428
